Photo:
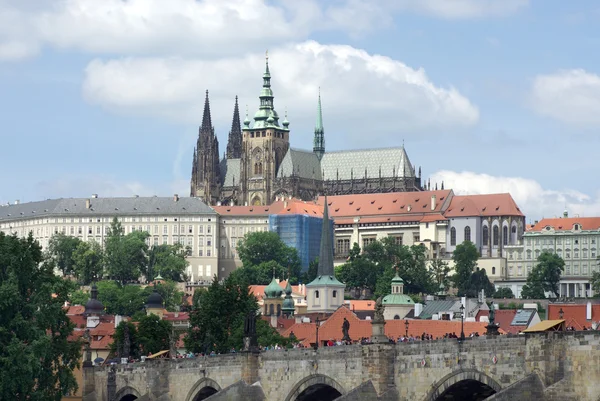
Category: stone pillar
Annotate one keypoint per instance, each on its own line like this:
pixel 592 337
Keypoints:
pixel 379 336
pixel 250 365
pixel 111 384
pixel 88 391
pixel 378 366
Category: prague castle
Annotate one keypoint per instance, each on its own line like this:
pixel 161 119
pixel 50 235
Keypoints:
pixel 259 165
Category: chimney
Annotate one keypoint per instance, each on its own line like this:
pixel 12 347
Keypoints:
pixel 17 202
pixel 535 222
pixel 118 320
pixel 285 203
pixel 245 203
pixel 94 196
pixel 175 198
pixel 433 203
pixel 409 208
pixel 87 203
pixel 588 311
pixel 218 203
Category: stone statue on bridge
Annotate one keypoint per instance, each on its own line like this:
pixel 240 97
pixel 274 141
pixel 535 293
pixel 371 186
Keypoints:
pixel 250 340
pixel 379 310
pixel 346 330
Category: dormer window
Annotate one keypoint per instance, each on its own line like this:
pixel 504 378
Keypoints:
pixel 576 227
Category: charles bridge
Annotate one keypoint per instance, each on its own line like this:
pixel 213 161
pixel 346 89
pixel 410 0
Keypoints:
pixel 545 366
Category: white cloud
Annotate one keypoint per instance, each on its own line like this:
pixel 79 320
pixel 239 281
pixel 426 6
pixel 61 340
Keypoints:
pixel 79 186
pixel 571 96
pixel 375 91
pixel 534 200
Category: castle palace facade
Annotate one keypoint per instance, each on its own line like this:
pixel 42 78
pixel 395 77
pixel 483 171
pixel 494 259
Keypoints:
pixel 259 166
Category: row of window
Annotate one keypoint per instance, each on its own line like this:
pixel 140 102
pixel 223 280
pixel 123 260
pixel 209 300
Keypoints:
pixel 28 222
pixel 559 241
pixel 485 235
pixel 574 269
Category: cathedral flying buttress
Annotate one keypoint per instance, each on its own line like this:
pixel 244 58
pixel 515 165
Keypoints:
pixel 259 166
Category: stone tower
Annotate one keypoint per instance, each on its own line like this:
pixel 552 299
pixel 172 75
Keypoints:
pixel 234 144
pixel 319 141
pixel 325 293
pixel 206 179
pixel 263 147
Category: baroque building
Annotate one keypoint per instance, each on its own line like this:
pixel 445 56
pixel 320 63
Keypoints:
pixel 259 165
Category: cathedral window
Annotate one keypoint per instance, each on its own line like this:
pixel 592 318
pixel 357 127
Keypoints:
pixel 505 235
pixel 467 233
pixel 452 236
pixel 486 235
pixel 495 234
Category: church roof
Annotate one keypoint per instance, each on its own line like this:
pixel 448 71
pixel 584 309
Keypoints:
pixel 230 171
pixel 353 163
pixel 303 163
pixel 483 205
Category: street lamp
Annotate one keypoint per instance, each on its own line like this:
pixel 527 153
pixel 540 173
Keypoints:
pixel 317 324
pixel 462 322
pixel 561 313
pixel 406 325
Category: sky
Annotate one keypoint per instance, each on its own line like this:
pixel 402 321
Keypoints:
pixel 487 95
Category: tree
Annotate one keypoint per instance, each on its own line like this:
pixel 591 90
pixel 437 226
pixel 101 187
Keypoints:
pixel 544 277
pixel 126 255
pixel 217 313
pixel 311 273
pixel 480 281
pixel 61 248
pixel 121 300
pixel 465 258
pixel 79 297
pixel 440 271
pixel 263 248
pixel 154 334
pixel 88 260
pixel 504 292
pixel 167 260
pixel 595 281
pixel 169 292
pixel 36 358
pixel 117 347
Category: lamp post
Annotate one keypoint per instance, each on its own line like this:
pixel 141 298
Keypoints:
pixel 406 326
pixel 462 322
pixel 317 324
pixel 561 313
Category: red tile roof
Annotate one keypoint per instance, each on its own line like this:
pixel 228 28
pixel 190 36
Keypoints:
pixel 483 205
pixel 361 305
pixel 171 316
pixel 504 318
pixel 574 314
pixel 566 224
pixel 290 206
pixel 75 310
pixel 332 328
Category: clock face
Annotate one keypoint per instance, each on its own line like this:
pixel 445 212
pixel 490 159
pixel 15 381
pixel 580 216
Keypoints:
pixel 257 156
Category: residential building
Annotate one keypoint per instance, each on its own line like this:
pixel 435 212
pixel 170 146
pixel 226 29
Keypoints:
pixel 575 239
pixel 168 220
pixel 260 166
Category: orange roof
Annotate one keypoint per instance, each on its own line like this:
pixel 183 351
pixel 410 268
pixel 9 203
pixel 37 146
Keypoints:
pixel 301 207
pixel 504 318
pixel 483 205
pixel 429 218
pixel 289 206
pixel 390 203
pixel 75 310
pixel 361 305
pixel 574 314
pixel 566 223
pixel 332 328
pixel 170 316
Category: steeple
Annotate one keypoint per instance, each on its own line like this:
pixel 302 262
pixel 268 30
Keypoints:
pixel 326 252
pixel 206 120
pixel 266 116
pixel 234 144
pixel 319 141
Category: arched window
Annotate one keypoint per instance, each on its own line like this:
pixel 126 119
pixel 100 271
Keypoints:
pixel 334 293
pixel 513 235
pixel 452 236
pixel 467 233
pixel 316 294
pixel 396 317
pixel 493 270
pixel 271 310
pixel 260 168
pixel 495 235
pixel 255 168
pixel 505 235
pixel 278 310
pixel 486 236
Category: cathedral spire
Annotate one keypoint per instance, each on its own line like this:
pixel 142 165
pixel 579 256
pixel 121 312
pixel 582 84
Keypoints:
pixel 326 252
pixel 206 120
pixel 266 116
pixel 319 141
pixel 234 145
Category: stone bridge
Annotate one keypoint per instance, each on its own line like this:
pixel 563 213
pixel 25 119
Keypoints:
pixel 548 366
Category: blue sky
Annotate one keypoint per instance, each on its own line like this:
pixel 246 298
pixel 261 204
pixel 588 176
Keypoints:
pixel 488 95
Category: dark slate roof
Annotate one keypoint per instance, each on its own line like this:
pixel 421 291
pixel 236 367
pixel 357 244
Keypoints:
pixel 303 163
pixel 105 207
pixel 433 307
pixel 523 317
pixel 230 171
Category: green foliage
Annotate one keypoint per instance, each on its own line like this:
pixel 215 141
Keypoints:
pixel 126 300
pixel 544 277
pixel 36 358
pixel 79 297
pixel 60 249
pixel 117 346
pixel 154 334
pixel 126 255
pixel 311 273
pixel 440 270
pixel 465 257
pixel 170 294
pixel 262 252
pixel 167 260
pixel 480 281
pixel 504 292
pixel 595 281
pixel 218 315
pixel 88 259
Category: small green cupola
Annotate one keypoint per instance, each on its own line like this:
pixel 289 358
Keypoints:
pixel 397 296
pixel 397 285
pixel 273 290
pixel 288 303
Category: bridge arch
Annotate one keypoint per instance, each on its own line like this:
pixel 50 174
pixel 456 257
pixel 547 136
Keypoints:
pixel 127 393
pixel 203 388
pixel 313 386
pixel 478 383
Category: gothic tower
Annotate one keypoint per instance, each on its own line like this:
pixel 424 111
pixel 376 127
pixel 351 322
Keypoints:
pixel 234 144
pixel 206 180
pixel 263 147
pixel 319 141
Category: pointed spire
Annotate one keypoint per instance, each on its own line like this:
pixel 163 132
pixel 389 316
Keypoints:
pixel 206 120
pixel 442 185
pixel 319 140
pixel 266 116
pixel 285 123
pixel 326 252
pixel 246 120
pixel 234 144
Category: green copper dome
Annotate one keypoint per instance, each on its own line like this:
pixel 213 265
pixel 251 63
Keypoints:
pixel 288 302
pixel 397 280
pixel 398 299
pixel 273 290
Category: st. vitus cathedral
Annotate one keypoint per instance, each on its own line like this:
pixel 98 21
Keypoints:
pixel 259 166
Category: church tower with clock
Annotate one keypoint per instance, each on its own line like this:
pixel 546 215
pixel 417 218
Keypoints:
pixel 263 147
